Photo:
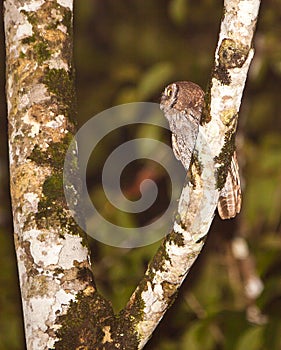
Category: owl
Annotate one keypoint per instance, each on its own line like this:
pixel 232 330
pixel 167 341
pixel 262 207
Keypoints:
pixel 182 103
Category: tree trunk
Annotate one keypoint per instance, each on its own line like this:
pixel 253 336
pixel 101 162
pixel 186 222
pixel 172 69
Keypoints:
pixel 53 259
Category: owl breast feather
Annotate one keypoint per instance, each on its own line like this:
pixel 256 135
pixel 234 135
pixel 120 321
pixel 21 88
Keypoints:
pixel 185 131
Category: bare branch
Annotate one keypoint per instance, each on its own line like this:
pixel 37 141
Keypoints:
pixel 212 156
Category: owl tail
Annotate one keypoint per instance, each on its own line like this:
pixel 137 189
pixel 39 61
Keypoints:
pixel 230 197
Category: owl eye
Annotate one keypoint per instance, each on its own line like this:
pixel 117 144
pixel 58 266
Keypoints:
pixel 168 91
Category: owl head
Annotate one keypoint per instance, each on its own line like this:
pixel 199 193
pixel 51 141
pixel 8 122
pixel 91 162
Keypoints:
pixel 182 96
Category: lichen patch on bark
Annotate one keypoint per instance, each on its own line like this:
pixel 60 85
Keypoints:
pixel 51 249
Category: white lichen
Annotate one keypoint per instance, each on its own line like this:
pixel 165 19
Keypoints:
pixel 66 3
pixel 24 30
pixel 71 251
pixel 32 5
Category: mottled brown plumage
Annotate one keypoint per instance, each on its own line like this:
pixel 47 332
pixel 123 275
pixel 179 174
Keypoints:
pixel 182 103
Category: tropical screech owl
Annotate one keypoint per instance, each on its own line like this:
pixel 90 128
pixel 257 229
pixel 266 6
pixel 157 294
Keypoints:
pixel 182 103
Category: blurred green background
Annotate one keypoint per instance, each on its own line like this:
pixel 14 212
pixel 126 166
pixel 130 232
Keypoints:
pixel 127 51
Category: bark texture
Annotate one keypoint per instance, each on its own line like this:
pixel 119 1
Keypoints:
pixel 210 164
pixel 62 308
pixel 53 259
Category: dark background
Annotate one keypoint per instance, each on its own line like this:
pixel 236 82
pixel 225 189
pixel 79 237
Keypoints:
pixel 127 51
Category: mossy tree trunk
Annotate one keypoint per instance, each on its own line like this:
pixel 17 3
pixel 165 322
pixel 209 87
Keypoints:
pixel 53 260
pixel 62 308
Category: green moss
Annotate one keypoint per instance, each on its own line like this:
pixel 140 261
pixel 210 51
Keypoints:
pixel 54 156
pixel 124 325
pixel 22 55
pixel 52 25
pixel 53 187
pixel 31 17
pixel 81 326
pixel 67 20
pixel 224 158
pixel 137 308
pixel 60 83
pixel 87 320
pixel 51 215
pixel 53 196
pixel 42 53
pixel 38 46
pixel 41 48
pixel 28 40
pixel 53 211
pixel 52 208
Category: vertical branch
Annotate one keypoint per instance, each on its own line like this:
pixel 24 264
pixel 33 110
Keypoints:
pixel 53 259
pixel 212 155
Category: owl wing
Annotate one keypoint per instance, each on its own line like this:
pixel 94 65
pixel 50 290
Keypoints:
pixel 176 150
pixel 230 197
